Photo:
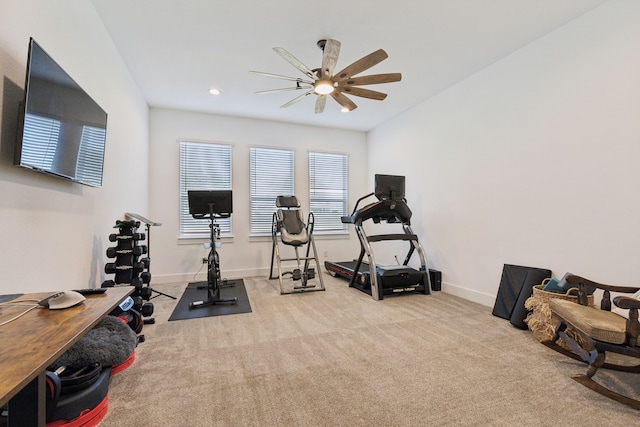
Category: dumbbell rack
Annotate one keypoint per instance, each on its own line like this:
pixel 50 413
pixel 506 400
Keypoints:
pixel 129 268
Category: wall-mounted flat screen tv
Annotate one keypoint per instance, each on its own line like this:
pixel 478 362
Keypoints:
pixel 61 130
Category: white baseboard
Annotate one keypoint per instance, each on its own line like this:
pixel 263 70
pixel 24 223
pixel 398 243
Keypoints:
pixel 469 294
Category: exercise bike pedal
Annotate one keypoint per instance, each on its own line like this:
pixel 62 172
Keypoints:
pixel 296 274
pixel 194 304
pixel 227 283
pixel 230 300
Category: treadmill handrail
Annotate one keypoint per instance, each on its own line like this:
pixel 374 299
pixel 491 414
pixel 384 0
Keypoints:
pixel 350 219
pixel 355 208
pixel 347 219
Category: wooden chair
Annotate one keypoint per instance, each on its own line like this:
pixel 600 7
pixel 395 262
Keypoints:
pixel 598 331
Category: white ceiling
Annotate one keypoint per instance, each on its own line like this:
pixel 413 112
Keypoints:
pixel 178 49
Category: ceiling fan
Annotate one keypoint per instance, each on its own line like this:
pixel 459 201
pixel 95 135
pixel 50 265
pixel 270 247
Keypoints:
pixel 323 81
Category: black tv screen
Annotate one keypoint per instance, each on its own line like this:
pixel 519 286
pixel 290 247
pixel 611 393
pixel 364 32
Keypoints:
pixel 62 131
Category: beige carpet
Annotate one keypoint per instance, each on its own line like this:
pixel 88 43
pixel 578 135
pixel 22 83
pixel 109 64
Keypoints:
pixel 339 358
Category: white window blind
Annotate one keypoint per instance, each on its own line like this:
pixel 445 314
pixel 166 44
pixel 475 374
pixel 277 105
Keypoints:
pixel 272 172
pixel 203 166
pixel 90 157
pixel 328 179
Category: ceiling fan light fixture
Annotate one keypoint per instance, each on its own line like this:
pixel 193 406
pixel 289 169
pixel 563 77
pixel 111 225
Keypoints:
pixel 323 87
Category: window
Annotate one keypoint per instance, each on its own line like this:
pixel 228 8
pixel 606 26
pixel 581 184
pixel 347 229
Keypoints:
pixel 328 178
pixel 271 175
pixel 203 166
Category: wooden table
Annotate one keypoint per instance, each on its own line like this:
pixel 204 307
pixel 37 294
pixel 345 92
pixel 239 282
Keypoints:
pixel 34 341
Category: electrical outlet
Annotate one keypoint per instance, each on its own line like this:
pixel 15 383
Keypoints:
pixel 204 260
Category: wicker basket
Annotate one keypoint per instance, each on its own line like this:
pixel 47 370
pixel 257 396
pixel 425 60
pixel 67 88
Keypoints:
pixel 541 321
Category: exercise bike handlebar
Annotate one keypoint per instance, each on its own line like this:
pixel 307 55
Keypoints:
pixel 211 215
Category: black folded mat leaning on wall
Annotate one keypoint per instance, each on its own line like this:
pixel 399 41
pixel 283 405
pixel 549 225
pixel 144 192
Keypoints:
pixel 516 285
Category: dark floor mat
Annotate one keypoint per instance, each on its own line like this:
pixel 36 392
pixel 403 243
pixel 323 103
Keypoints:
pixel 197 291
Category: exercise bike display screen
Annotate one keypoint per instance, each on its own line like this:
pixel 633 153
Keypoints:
pixel 206 202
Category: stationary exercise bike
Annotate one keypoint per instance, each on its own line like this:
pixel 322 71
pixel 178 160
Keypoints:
pixel 212 205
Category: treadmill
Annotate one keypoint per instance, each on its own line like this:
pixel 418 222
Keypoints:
pixel 377 280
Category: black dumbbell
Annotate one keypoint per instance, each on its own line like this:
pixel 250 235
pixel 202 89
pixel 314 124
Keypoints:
pixel 144 292
pixel 136 282
pixel 127 224
pixel 112 267
pixel 135 236
pixel 136 250
pixel 147 309
pixel 137 302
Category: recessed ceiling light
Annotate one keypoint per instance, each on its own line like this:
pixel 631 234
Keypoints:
pixel 214 91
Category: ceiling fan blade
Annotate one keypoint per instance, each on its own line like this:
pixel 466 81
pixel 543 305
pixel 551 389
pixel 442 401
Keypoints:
pixel 296 99
pixel 364 93
pixel 320 103
pixel 343 100
pixel 331 50
pixel 262 92
pixel 278 76
pixel 372 79
pixel 295 62
pixel 361 65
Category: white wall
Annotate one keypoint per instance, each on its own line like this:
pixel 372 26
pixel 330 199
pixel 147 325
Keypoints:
pixel 532 161
pixel 178 260
pixel 54 232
